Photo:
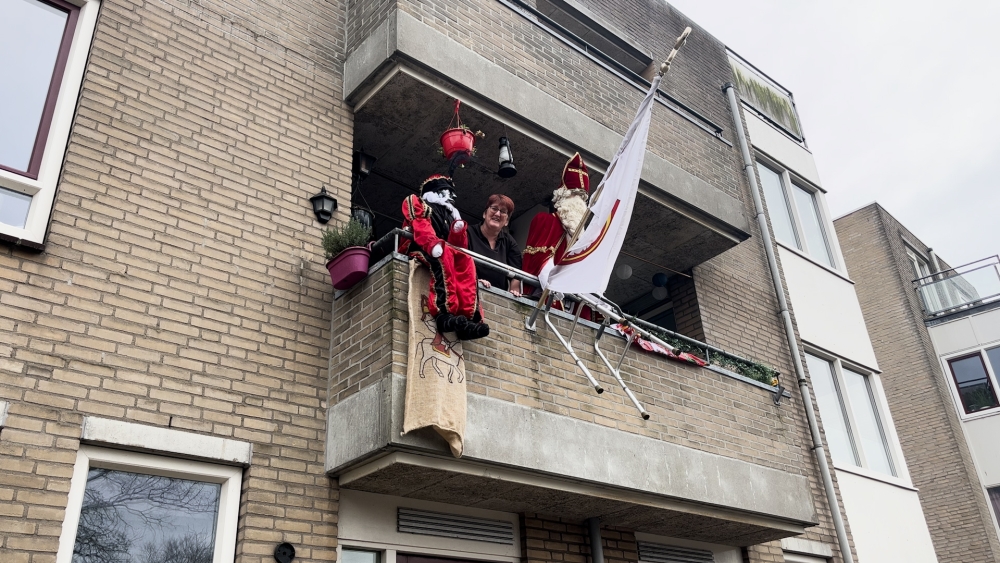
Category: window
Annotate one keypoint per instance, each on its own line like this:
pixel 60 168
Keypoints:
pixel 607 42
pixel 127 506
pixel 43 51
pixel 850 412
pixel 994 494
pixel 356 556
pixel 975 380
pixel 796 215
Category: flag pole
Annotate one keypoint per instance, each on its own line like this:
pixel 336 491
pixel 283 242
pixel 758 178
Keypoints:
pixel 664 68
pixel 673 52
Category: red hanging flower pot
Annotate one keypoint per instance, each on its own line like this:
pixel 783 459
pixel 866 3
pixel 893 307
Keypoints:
pixel 456 140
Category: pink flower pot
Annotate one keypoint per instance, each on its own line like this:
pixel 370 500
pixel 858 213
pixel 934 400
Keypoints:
pixel 349 267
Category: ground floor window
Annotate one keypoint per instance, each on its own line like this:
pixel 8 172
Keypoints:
pixel 128 507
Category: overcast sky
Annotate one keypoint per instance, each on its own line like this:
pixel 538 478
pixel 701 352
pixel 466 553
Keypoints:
pixel 899 100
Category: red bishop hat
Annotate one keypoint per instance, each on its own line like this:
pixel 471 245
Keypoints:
pixel 575 176
pixel 436 183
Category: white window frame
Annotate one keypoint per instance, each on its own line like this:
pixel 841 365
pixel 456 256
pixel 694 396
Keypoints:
pixel 990 373
pixel 881 406
pixel 229 477
pixel 788 179
pixel 43 189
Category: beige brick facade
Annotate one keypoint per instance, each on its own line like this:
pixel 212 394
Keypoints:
pixel 182 285
pixel 940 464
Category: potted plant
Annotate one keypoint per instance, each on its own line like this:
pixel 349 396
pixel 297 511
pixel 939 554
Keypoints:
pixel 347 252
pixel 458 139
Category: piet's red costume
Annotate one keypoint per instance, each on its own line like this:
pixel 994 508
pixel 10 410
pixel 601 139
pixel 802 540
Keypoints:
pixel 453 296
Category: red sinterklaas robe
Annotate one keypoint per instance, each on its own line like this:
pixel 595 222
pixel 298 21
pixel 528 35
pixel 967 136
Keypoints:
pixel 453 286
pixel 546 240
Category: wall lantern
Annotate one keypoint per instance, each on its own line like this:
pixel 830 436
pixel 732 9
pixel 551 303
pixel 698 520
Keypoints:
pixel 324 205
pixel 507 169
pixel 363 163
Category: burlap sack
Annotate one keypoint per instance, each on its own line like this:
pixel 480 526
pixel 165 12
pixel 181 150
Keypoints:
pixel 435 374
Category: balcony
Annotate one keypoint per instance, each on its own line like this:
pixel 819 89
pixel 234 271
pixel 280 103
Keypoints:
pixel 403 75
pixel 708 465
pixel 962 289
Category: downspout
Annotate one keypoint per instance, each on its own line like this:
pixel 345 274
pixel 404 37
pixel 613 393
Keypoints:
pixel 818 449
pixel 596 549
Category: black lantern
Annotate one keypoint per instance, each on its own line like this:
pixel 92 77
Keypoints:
pixel 507 169
pixel 364 216
pixel 363 163
pixel 324 205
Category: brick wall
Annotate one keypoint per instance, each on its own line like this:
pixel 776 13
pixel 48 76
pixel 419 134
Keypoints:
pixel 690 406
pixel 917 391
pixel 549 538
pixel 182 285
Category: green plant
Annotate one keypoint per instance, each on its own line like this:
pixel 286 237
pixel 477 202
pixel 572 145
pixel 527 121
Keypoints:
pixel 978 398
pixel 747 368
pixel 349 234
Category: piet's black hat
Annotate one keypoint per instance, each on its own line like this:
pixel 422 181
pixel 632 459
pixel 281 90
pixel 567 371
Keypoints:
pixel 437 183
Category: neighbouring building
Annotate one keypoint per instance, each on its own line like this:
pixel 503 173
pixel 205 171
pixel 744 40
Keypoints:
pixel 936 333
pixel 178 381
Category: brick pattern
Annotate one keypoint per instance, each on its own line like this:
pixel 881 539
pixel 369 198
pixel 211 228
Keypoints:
pixel 690 406
pixel 917 391
pixel 546 538
pixel 363 16
pixel 519 46
pixel 181 285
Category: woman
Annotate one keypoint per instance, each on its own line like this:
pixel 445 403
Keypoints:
pixel 491 239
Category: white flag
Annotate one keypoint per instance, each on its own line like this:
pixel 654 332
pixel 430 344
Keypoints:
pixel 586 268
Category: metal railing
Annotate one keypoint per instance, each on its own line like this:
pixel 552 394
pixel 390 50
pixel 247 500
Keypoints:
pixel 390 242
pixel 960 288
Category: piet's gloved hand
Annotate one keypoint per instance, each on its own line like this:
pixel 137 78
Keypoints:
pixel 458 226
pixel 437 250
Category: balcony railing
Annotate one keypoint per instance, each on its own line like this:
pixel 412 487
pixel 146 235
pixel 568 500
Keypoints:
pixel 770 100
pixel 960 288
pixel 749 371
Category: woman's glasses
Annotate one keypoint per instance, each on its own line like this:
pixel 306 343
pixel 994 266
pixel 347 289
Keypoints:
pixel 498 210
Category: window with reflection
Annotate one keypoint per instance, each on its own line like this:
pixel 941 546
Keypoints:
pixel 135 518
pixel 795 213
pixel 975 389
pixel 35 37
pixel 850 412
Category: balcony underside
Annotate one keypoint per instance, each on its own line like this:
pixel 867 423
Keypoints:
pixel 520 459
pixel 403 80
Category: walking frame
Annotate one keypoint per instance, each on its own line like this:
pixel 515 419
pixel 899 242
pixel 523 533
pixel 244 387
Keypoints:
pixel 599 303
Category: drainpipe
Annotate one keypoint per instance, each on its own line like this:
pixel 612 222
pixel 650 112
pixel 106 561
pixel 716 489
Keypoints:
pixel 935 265
pixel 817 439
pixel 596 549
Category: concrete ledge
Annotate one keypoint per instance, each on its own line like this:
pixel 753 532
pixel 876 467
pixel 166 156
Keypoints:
pixel 503 434
pixel 128 435
pixel 401 36
pixel 807 547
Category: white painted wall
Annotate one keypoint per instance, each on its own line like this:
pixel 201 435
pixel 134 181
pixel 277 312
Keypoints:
pixel 966 333
pixel 778 146
pixel 983 435
pixel 887 521
pixel 827 310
